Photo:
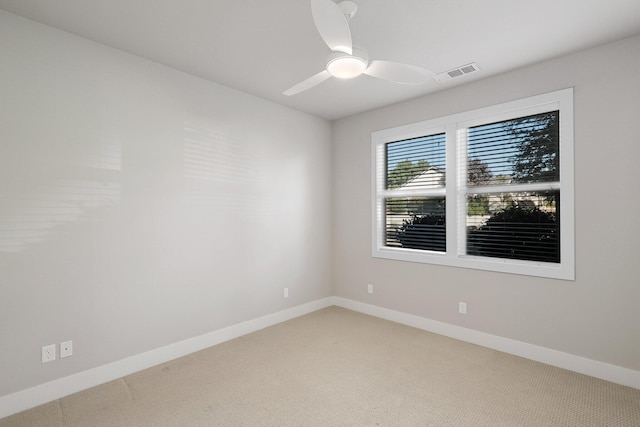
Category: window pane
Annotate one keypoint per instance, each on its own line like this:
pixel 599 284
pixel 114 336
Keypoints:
pixel 524 226
pixel 521 150
pixel 416 162
pixel 416 223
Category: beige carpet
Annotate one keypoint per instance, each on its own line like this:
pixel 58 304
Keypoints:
pixel 335 367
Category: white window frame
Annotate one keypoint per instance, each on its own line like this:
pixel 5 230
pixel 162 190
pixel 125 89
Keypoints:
pixel 455 126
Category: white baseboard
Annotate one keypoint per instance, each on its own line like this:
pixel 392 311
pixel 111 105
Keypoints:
pixel 605 371
pixel 47 392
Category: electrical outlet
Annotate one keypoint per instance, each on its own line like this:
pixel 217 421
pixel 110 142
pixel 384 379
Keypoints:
pixel 370 288
pixel 462 307
pixel 48 353
pixel 286 292
pixel 66 349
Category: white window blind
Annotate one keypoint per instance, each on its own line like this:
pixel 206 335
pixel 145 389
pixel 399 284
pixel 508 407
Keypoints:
pixel 520 152
pixel 414 198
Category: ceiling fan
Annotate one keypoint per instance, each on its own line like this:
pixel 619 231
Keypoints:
pixel 347 61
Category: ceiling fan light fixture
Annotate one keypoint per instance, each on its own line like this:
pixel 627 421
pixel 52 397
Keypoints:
pixel 345 66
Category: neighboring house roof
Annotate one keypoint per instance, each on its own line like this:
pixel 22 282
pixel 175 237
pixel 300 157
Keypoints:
pixel 431 178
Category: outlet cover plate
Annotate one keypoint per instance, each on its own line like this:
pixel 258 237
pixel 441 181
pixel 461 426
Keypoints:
pixel 48 353
pixel 66 349
pixel 462 307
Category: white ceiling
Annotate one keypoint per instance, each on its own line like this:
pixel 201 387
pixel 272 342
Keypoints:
pixel 266 46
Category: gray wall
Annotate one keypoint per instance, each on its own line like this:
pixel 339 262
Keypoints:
pixel 140 206
pixel 596 316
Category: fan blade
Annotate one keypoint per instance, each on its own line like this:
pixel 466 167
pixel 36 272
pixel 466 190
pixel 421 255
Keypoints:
pixel 308 83
pixel 398 73
pixel 332 25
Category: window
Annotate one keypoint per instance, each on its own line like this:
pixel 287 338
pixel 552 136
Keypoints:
pixel 490 189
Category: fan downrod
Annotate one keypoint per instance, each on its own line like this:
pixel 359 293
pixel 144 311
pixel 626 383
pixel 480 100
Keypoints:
pixel 349 8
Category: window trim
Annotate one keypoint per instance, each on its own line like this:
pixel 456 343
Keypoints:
pixel 455 180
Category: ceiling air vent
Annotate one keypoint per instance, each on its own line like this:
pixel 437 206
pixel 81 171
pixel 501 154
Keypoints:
pixel 457 72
